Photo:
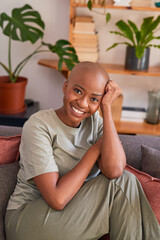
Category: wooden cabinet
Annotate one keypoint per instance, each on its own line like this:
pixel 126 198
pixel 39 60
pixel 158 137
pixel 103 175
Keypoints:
pixel 122 127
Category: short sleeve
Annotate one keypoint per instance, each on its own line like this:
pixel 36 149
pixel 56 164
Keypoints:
pixel 100 125
pixel 36 152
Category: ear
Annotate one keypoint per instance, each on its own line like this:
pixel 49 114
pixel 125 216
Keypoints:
pixel 65 86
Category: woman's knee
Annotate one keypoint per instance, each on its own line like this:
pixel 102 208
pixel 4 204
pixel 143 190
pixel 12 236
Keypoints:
pixel 127 181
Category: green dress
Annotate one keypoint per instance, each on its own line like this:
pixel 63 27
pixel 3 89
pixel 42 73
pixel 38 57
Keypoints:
pixel 102 205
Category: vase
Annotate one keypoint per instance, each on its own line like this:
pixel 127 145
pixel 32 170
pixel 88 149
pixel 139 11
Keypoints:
pixel 12 95
pixel 157 3
pixel 153 111
pixel 134 63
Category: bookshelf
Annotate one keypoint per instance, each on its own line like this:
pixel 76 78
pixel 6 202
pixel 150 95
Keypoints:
pixel 122 127
pixel 110 68
pixel 117 7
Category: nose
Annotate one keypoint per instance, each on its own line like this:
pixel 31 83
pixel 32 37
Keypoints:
pixel 82 102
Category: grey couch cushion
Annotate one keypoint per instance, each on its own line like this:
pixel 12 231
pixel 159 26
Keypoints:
pixel 150 161
pixel 8 178
pixel 10 131
pixel 132 147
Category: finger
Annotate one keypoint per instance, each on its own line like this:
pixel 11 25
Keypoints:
pixel 113 88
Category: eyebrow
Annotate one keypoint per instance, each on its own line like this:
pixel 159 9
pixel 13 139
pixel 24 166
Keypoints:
pixel 94 94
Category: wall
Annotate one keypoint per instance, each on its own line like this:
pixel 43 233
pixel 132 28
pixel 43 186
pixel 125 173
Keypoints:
pixel 45 84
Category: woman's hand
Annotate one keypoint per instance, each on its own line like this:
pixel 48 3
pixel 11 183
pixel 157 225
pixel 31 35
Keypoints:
pixel 112 92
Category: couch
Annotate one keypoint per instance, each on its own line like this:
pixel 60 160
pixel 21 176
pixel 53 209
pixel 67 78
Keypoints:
pixel 143 160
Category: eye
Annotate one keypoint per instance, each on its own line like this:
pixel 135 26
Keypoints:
pixel 94 99
pixel 78 91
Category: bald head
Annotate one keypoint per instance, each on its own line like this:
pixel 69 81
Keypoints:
pixel 89 67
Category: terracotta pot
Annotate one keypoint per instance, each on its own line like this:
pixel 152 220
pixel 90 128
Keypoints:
pixel 12 95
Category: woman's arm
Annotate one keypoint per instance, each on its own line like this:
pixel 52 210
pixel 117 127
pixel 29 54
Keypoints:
pixel 58 191
pixel 112 160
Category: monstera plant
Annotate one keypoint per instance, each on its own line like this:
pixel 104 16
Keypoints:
pixel 25 24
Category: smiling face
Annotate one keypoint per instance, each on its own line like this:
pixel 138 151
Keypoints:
pixel 83 93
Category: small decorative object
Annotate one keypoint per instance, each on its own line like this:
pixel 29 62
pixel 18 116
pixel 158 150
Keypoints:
pixel 153 111
pixel 157 3
pixel 125 3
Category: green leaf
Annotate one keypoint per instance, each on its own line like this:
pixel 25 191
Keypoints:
pixel 25 24
pixel 108 17
pixel 139 50
pixel 60 64
pixel 70 49
pixel 148 39
pixel 152 45
pixel 118 33
pixel 112 46
pixel 135 30
pixel 125 28
pixel 116 44
pixel 65 52
pixel 145 28
pixel 89 4
pixel 154 24
pixel 69 63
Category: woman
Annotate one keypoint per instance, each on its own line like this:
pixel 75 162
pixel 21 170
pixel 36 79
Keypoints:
pixel 71 183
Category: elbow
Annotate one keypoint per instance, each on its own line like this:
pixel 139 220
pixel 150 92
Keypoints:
pixel 58 207
pixel 57 204
pixel 116 173
pixel 113 172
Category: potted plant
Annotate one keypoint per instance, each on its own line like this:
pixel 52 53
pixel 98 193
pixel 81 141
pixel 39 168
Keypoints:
pixel 26 24
pixel 139 41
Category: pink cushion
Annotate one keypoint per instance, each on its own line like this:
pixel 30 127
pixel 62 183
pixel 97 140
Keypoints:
pixel 9 149
pixel 151 187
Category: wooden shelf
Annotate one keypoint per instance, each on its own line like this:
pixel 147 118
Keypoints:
pixel 110 68
pixel 119 7
pixel 138 128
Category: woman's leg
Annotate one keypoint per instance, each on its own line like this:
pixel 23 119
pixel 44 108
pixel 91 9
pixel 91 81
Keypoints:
pixel 101 205
pixel 131 215
pixel 85 217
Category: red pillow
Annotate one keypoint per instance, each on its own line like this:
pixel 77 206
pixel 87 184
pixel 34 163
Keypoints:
pixel 151 187
pixel 9 149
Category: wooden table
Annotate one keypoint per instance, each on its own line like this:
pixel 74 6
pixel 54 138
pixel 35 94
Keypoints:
pixel 137 128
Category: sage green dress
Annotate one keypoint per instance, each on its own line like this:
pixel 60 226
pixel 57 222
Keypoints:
pixel 117 206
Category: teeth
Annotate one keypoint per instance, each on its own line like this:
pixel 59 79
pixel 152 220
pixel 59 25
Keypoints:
pixel 77 111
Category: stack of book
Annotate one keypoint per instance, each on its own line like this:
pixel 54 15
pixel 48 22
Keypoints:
pixel 86 1
pixel 142 3
pixel 125 3
pixel 133 114
pixel 85 39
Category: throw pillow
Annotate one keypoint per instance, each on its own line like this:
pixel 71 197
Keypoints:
pixel 9 149
pixel 151 187
pixel 150 161
pixel 8 178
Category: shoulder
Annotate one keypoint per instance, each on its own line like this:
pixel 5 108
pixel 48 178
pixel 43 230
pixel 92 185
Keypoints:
pixel 40 121
pixel 41 117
